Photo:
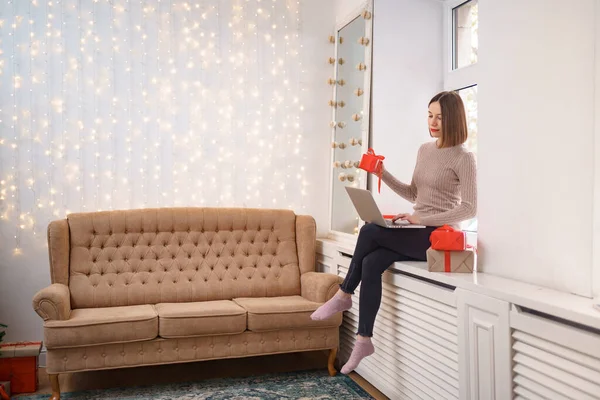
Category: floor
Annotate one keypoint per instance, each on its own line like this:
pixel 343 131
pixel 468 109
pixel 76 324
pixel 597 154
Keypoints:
pixel 173 373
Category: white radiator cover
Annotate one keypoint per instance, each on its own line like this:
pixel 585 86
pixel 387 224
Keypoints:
pixel 435 341
pixel 552 360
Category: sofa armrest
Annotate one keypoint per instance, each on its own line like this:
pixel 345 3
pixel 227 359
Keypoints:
pixel 58 251
pixel 306 242
pixel 319 286
pixel 53 302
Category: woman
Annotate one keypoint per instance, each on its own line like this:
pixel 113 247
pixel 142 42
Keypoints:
pixel 444 191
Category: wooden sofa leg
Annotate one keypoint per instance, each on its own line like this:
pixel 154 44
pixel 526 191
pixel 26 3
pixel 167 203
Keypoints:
pixel 55 387
pixel 331 362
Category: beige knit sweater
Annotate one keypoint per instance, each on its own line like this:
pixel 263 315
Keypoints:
pixel 443 187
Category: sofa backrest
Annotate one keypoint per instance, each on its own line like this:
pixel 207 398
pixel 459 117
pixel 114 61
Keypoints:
pixel 165 255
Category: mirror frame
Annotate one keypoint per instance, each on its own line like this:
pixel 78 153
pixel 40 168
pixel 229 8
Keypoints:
pixel 366 120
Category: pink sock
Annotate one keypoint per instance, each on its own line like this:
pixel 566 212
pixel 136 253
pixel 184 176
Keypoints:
pixel 362 349
pixel 336 304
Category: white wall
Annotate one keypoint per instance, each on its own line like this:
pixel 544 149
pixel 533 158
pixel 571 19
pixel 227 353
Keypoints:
pixel 344 7
pixel 212 155
pixel 407 73
pixel 536 142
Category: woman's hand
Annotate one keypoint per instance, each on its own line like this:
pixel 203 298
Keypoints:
pixel 413 219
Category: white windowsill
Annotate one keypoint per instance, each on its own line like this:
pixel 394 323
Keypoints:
pixel 568 306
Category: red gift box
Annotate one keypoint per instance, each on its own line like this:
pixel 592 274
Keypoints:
pixel 18 364
pixel 21 372
pixel 448 239
pixel 372 163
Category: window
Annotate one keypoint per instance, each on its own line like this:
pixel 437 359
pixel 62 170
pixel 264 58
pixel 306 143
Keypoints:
pixel 469 98
pixel 460 60
pixel 465 25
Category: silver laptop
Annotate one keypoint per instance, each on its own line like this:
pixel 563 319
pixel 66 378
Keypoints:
pixel 369 212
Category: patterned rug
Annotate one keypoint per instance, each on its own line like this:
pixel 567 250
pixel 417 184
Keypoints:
pixel 303 385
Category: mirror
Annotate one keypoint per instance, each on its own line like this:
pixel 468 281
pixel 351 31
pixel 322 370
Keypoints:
pixel 350 122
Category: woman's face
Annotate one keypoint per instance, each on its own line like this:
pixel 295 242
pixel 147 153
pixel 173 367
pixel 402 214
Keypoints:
pixel 435 120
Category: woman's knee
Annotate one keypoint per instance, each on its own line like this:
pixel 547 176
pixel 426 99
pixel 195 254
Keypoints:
pixel 369 229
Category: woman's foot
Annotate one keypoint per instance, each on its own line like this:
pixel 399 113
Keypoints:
pixel 362 348
pixel 339 302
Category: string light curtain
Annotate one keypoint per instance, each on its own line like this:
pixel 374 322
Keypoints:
pixel 118 104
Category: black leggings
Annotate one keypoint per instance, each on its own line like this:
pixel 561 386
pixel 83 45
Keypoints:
pixel 376 249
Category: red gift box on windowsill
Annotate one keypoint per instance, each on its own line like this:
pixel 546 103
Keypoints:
pixel 448 239
pixel 372 163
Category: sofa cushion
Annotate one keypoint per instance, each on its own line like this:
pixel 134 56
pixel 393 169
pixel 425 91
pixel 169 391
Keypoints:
pixel 94 326
pixel 177 320
pixel 284 312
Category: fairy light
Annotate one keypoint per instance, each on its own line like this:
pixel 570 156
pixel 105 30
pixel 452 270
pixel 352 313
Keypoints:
pixel 259 116
pixel 50 115
pixel 31 163
pixel 218 109
pixel 62 104
pixel 173 71
pixel 230 177
pixel 30 115
pixel 285 77
pixel 272 39
pixel 171 99
pixel 204 100
pixel 47 125
pixel 80 126
pixel 244 124
pixel 3 182
pixel 300 108
pixel 247 125
pixel 113 105
pixel 225 103
pixel 158 95
pixel 96 118
pixel 129 138
pixel 256 164
pixel 16 182
pixel 286 100
pixel 144 100
pixel 189 61
pixel 239 122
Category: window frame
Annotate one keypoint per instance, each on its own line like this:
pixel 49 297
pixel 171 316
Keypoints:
pixel 454 4
pixel 459 78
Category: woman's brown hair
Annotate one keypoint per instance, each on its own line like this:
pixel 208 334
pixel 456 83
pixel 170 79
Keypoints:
pixel 454 120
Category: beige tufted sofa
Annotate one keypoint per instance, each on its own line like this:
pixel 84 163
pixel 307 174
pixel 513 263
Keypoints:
pixel 173 285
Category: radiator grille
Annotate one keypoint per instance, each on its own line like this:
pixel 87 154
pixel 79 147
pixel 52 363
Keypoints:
pixel 547 370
